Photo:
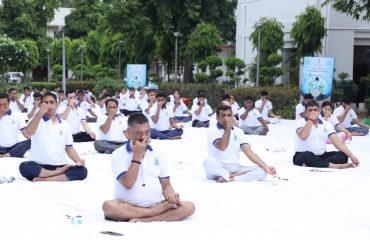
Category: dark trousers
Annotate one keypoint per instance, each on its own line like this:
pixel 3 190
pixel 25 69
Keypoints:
pixel 127 112
pixel 311 160
pixel 197 123
pixel 183 118
pixel 155 134
pixel 103 146
pixel 31 170
pixel 82 137
pixel 18 149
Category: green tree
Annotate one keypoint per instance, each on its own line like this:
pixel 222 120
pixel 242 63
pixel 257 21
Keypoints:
pixel 270 71
pixel 10 53
pixel 56 52
pixel 359 9
pixel 74 57
pixel 92 49
pixel 272 41
pixel 308 31
pixel 30 60
pixel 236 68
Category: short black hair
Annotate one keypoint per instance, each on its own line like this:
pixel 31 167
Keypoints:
pixel 311 103
pixel 49 94
pixel 26 88
pixel 152 90
pixel 346 100
pixel 61 91
pixel 201 95
pixel 12 89
pixel 5 95
pixel 264 93
pixel 111 100
pixel 307 96
pixel 222 108
pixel 225 96
pixel 326 103
pixel 247 98
pixel 80 91
pixel 37 95
pixel 201 91
pixel 161 94
pixel 132 89
pixel 137 118
pixel 70 92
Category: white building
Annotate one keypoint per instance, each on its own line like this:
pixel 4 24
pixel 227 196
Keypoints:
pixel 347 40
pixel 59 21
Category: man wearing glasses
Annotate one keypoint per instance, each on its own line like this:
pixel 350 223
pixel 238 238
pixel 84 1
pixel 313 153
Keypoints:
pixel 310 142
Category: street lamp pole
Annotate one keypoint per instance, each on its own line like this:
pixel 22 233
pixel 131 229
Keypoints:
pixel 48 51
pixel 119 60
pixel 61 29
pixel 176 34
pixel 80 50
pixel 259 25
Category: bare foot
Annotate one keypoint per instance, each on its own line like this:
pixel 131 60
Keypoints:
pixel 5 155
pixel 175 138
pixel 342 166
pixel 63 169
pixel 220 180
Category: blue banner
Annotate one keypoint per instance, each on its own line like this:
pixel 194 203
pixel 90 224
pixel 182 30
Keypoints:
pixel 136 75
pixel 317 77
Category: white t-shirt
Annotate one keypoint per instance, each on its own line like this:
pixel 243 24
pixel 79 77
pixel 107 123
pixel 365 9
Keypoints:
pixel 180 109
pixel 231 154
pixel 131 103
pixel 347 122
pixel 235 108
pixel 14 106
pixel 252 118
pixel 75 116
pixel 85 106
pixel 147 190
pixel 49 142
pixel 165 114
pixel 331 119
pixel 196 101
pixel 10 123
pixel 266 108
pixel 144 106
pixel 30 110
pixel 204 113
pixel 316 141
pixel 28 103
pixel 300 108
pixel 116 130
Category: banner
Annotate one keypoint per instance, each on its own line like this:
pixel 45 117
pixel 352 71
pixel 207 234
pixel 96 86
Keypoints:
pixel 317 77
pixel 136 75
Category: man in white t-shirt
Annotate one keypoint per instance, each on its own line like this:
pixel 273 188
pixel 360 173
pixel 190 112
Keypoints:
pixel 180 110
pixel 141 180
pixel 165 126
pixel 131 103
pixel 264 106
pixel 250 119
pixel 35 106
pixel 201 112
pixel 326 114
pixel 112 127
pixel 224 145
pixel 346 116
pixel 146 106
pixel 26 98
pixel 76 117
pixel 11 123
pixel 300 109
pixel 82 103
pixel 51 139
pixel 15 103
pixel 310 142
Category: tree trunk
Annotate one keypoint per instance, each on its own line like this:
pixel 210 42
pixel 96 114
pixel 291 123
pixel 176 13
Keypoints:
pixel 188 71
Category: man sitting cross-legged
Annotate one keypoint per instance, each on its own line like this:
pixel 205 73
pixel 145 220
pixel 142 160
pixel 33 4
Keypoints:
pixel 163 119
pixel 51 138
pixel 310 142
pixel 141 178
pixel 76 117
pixel 224 144
pixel 112 126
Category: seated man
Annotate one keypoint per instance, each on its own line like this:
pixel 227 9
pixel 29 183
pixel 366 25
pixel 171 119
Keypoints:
pixel 112 127
pixel 51 138
pixel 10 123
pixel 147 105
pixel 234 107
pixel 224 144
pixel 326 114
pixel 36 105
pixel 264 106
pixel 300 109
pixel 201 112
pixel 346 116
pixel 15 104
pixel 250 119
pixel 27 99
pixel 310 142
pixel 131 103
pixel 164 121
pixel 179 109
pixel 85 105
pixel 76 117
pixel 141 178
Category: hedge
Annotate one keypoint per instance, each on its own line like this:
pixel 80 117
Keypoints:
pixel 71 85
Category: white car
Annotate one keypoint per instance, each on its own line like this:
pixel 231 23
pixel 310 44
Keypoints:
pixel 14 77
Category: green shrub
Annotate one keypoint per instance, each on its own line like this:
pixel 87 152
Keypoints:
pixel 71 85
pixel 111 83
